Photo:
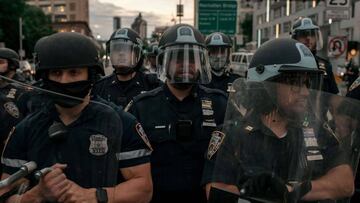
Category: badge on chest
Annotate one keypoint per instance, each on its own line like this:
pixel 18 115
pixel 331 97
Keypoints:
pixel 98 145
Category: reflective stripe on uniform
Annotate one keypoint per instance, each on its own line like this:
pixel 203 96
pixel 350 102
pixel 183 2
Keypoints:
pixel 15 163
pixel 133 154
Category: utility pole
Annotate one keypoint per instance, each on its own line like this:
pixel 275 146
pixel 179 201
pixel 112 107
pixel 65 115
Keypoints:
pixel 21 51
pixel 180 11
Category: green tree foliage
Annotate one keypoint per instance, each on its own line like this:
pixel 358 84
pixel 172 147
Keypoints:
pixel 246 26
pixel 35 25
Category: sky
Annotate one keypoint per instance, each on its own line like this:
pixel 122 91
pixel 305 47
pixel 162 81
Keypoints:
pixel 155 12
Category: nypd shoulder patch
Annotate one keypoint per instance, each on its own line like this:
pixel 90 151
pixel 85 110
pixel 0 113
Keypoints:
pixel 12 109
pixel 355 84
pixel 217 138
pixel 141 132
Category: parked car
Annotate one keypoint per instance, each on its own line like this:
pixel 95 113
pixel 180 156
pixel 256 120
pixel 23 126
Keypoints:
pixel 239 62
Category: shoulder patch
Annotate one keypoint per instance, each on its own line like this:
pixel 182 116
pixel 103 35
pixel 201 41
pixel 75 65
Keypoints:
pixel 355 84
pixel 217 138
pixel 12 109
pixel 141 132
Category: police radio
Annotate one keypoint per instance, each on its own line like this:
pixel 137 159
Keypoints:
pixel 57 131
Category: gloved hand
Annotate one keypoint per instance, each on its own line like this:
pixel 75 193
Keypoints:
pixel 265 185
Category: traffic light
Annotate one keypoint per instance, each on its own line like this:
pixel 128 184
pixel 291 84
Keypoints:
pixel 353 48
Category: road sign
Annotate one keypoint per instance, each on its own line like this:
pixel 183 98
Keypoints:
pixel 337 46
pixel 217 16
pixel 337 9
pixel 338 3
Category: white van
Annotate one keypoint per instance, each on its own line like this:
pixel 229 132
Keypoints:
pixel 239 62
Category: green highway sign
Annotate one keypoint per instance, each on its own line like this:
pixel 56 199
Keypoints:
pixel 217 16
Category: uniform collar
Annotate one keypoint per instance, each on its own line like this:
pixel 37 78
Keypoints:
pixel 134 81
pixel 170 96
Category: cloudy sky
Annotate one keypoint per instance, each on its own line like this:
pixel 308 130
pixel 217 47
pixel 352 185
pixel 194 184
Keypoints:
pixel 155 12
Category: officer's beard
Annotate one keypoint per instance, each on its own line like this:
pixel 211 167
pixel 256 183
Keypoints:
pixel 182 86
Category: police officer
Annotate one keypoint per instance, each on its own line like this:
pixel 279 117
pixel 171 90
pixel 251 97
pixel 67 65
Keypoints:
pixel 13 97
pixel 9 63
pixel 94 153
pixel 278 150
pixel 152 52
pixel 125 48
pixel 307 32
pixel 182 116
pixel 354 92
pixel 219 48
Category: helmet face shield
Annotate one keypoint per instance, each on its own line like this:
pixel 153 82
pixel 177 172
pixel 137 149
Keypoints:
pixel 185 63
pixel 312 38
pixel 124 53
pixel 299 80
pixel 218 57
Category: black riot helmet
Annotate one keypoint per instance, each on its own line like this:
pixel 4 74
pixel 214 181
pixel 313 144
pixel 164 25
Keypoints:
pixel 219 48
pixel 11 56
pixel 125 49
pixel 66 50
pixel 183 56
pixel 153 49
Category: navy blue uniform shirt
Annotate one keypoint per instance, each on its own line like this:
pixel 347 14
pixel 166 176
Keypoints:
pixel 94 147
pixel 222 82
pixel 122 92
pixel 179 132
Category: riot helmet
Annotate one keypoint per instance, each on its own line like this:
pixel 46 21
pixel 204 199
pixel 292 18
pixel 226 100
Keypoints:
pixel 151 53
pixel 296 68
pixel 307 32
pixel 125 49
pixel 67 51
pixel 9 57
pixel 183 58
pixel 219 49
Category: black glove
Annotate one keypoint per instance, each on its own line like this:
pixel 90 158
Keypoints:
pixel 265 185
pixel 219 196
pixel 299 191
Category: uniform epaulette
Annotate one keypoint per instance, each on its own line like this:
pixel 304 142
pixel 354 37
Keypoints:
pixel 101 80
pixel 322 58
pixel 148 94
pixel 212 91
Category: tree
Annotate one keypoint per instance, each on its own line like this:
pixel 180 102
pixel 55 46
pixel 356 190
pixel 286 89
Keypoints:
pixel 246 26
pixel 35 25
pixel 10 11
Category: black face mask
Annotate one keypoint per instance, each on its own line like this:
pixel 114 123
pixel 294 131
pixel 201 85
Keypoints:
pixel 76 89
pixel 182 86
pixel 123 70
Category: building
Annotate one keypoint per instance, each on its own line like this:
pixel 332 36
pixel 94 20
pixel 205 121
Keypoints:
pixel 66 15
pixel 116 23
pixel 274 18
pixel 140 26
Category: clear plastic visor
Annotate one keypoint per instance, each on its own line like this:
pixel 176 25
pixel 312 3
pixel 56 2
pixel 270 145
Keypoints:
pixel 311 38
pixel 124 53
pixel 218 57
pixel 184 64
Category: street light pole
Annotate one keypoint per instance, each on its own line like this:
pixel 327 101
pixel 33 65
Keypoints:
pixel 180 15
pixel 21 52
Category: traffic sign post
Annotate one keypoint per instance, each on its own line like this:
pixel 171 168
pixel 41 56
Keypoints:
pixel 337 9
pixel 217 16
pixel 337 46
